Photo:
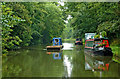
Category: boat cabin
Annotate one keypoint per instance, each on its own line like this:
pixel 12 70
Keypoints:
pixel 97 42
pixel 57 41
pixel 101 42
pixel 57 45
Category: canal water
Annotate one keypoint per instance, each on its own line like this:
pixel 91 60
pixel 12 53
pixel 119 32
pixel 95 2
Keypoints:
pixel 35 61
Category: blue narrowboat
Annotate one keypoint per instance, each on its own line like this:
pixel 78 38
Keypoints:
pixel 57 44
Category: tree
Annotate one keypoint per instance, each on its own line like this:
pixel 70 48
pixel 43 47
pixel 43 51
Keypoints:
pixel 25 24
pixel 94 17
pixel 8 21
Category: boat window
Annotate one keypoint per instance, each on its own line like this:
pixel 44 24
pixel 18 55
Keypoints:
pixel 77 39
pixel 106 43
pixel 97 43
pixel 56 40
pixel 89 43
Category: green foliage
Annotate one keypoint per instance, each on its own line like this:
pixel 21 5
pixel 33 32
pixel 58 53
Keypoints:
pixel 94 17
pixel 115 50
pixel 10 69
pixel 104 34
pixel 115 42
pixel 22 29
pixel 54 23
pixel 26 23
pixel 67 32
pixel 97 36
pixel 8 22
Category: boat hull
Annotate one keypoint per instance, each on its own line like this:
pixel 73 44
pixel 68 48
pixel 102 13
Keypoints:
pixel 54 48
pixel 78 43
pixel 95 52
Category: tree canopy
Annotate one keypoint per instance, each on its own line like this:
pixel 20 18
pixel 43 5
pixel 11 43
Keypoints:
pixel 30 23
pixel 94 17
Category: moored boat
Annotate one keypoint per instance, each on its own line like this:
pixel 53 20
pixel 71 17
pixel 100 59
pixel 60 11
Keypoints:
pixel 78 41
pixel 98 46
pixel 57 45
pixel 50 48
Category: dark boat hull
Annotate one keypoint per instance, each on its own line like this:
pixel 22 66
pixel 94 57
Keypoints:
pixel 78 43
pixel 105 52
pixel 94 52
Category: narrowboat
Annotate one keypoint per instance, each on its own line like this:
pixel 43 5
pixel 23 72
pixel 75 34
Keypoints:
pixel 78 41
pixel 57 45
pixel 98 46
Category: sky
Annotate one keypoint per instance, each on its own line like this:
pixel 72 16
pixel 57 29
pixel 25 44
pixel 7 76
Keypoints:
pixel 62 3
pixel 69 16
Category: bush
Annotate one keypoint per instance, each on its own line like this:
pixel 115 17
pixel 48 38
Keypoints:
pixel 115 42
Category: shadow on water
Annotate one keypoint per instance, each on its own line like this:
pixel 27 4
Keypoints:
pixel 69 62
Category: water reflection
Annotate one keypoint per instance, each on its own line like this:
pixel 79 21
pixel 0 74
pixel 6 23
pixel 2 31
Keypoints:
pixel 79 47
pixel 71 62
pixel 101 66
pixel 68 65
pixel 97 63
pixel 67 59
pixel 68 46
pixel 56 54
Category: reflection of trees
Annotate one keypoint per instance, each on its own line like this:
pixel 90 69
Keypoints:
pixel 10 69
pixel 32 63
pixel 78 63
pixel 113 71
pixel 35 63
pixel 116 59
pixel 79 66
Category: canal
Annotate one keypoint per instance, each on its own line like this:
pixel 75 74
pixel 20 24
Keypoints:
pixel 35 61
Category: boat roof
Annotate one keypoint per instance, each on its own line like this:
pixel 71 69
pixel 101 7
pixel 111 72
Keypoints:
pixel 57 38
pixel 90 40
pixel 97 39
pixel 78 38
